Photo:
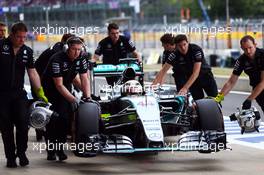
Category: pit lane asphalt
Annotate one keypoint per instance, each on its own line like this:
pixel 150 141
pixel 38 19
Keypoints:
pixel 241 160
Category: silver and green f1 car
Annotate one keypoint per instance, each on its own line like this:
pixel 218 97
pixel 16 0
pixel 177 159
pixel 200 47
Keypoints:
pixel 132 117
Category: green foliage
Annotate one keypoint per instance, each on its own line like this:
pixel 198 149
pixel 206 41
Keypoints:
pixel 237 8
pixel 193 5
pixel 158 8
pixel 171 8
pixel 215 8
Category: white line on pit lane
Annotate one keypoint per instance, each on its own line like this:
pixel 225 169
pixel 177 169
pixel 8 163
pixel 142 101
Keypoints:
pixel 240 92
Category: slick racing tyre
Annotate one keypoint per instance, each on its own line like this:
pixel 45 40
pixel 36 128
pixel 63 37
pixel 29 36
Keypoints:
pixel 210 119
pixel 210 115
pixel 87 129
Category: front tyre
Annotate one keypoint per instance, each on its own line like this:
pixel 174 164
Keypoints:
pixel 210 115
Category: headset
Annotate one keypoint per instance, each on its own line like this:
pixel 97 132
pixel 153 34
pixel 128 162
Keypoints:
pixel 72 40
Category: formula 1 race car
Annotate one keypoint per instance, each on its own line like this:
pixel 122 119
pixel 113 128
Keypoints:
pixel 131 117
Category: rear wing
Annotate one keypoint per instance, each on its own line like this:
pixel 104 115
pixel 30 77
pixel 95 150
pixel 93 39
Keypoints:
pixel 109 70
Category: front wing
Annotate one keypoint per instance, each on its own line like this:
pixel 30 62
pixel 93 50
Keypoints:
pixel 202 141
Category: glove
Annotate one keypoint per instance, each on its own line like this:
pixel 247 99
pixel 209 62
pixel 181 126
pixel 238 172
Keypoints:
pixel 40 94
pixel 86 99
pixel 75 105
pixel 246 104
pixel 220 97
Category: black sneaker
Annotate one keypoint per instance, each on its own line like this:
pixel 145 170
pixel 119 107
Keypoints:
pixel 23 160
pixel 51 155
pixel 62 156
pixel 11 163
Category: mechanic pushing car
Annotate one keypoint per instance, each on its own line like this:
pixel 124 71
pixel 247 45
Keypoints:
pixel 191 71
pixel 62 71
pixel 113 48
pixel 252 63
pixel 15 56
pixel 42 62
pixel 169 46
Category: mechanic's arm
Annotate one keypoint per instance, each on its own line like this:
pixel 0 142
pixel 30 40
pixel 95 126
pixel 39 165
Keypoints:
pixel 58 81
pixel 98 52
pixel 137 56
pixel 85 83
pixel 35 81
pixel 191 80
pixel 77 82
pixel 227 87
pixel 258 89
pixel 95 58
pixel 34 78
pixel 229 84
pixel 159 77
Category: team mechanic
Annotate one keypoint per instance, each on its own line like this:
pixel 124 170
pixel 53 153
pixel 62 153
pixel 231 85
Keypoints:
pixel 169 46
pixel 252 63
pixel 15 56
pixel 57 81
pixel 41 64
pixel 191 72
pixel 113 48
